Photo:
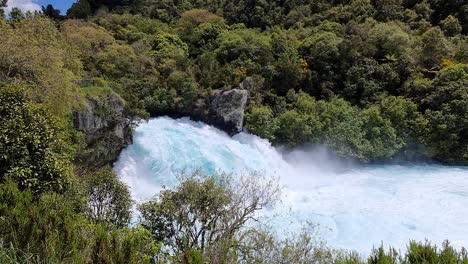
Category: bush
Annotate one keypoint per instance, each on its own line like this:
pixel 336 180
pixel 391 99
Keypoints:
pixel 32 150
pixel 109 200
pixel 205 216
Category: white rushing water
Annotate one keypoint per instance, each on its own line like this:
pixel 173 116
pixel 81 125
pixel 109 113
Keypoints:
pixel 355 207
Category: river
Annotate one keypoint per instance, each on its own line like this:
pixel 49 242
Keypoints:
pixel 352 206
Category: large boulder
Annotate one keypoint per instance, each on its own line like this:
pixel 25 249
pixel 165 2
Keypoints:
pixel 106 129
pixel 227 110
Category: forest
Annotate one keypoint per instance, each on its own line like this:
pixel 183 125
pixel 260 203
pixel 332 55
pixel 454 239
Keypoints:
pixel 373 80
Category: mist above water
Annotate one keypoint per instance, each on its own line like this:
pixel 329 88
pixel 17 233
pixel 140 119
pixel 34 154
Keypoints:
pixel 353 206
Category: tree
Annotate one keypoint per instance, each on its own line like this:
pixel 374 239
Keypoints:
pixel 109 200
pixel 261 122
pixel 389 9
pixel 186 87
pixel 50 228
pixel 167 47
pixel 31 147
pixel 206 214
pixel 116 61
pixel 404 116
pixel 289 69
pixel 16 15
pixel 3 4
pixel 47 225
pixel 382 138
pixel 209 70
pixel 322 53
pixel 87 40
pixel 191 19
pixel 434 48
pixel 342 128
pixel 80 9
pixel 51 12
pixel 448 115
pixel 244 52
pixel 200 28
pixel 34 51
pixel 294 128
pixel 362 85
pixel 390 39
pixel 451 26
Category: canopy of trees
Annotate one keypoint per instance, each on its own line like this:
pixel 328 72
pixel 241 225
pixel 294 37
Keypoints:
pixel 349 57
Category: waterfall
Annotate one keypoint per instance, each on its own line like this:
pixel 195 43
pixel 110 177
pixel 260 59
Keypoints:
pixel 354 206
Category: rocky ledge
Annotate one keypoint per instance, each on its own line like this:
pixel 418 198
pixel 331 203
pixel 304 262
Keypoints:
pixel 106 129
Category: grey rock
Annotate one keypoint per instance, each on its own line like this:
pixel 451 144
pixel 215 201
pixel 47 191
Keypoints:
pixel 87 121
pixel 227 110
pixel 105 127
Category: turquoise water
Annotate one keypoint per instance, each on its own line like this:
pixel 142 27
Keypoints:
pixel 353 207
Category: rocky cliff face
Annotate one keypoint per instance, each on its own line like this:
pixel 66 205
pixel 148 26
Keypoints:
pixel 105 128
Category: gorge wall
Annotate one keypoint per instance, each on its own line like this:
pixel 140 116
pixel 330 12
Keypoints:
pixel 105 127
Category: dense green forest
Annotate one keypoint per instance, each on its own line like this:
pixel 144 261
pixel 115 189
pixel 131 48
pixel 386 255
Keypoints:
pixel 371 79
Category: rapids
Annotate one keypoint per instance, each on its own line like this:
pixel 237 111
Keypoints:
pixel 353 206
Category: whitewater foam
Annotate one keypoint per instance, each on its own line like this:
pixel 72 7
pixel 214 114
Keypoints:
pixel 355 207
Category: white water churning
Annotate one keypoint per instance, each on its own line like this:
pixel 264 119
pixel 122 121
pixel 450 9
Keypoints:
pixel 355 207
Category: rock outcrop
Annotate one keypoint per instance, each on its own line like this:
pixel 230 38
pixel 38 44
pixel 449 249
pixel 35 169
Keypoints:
pixel 227 110
pixel 105 128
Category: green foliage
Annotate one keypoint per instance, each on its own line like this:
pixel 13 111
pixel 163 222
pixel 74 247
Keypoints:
pixel 116 60
pixel 245 50
pixel 295 128
pixel 342 127
pixel 393 126
pixel 16 15
pixel 109 200
pixel 80 9
pixel 51 12
pixel 48 226
pixel 3 3
pixel 434 48
pixel 34 51
pixel 169 45
pixel 52 229
pixel 124 245
pixel 447 114
pixel 322 54
pixel 381 136
pixel 380 256
pixel 200 29
pixel 185 87
pixel 206 216
pixel 451 26
pixel 261 122
pixel 422 253
pixel 163 58
pixel 32 151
